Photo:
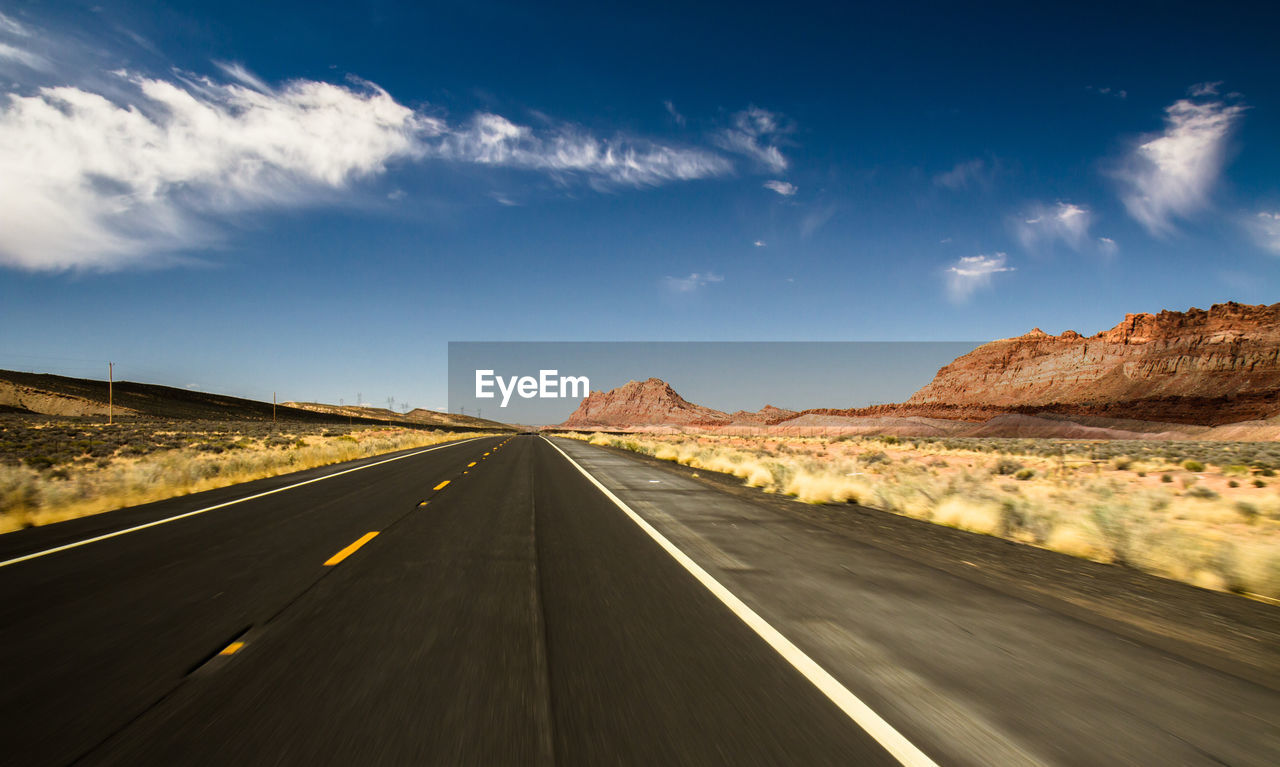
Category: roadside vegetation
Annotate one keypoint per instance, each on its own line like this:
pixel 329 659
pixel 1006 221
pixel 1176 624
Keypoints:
pixel 51 470
pixel 1206 513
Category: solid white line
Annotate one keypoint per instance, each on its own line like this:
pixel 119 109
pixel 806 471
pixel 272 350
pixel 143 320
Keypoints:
pixel 136 528
pixel 893 741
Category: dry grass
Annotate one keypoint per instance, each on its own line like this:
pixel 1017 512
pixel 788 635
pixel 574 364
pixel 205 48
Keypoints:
pixel 1217 526
pixel 29 496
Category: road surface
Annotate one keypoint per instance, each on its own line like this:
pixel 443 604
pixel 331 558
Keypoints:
pixel 519 600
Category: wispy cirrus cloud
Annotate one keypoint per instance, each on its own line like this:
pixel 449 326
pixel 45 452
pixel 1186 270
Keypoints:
pixel 691 283
pixel 122 169
pixel 13 45
pixel 1044 224
pixel 754 134
pixel 12 26
pixel 491 139
pixel 784 188
pixel 1107 90
pixel 1265 228
pixel 971 273
pixel 104 170
pixel 678 118
pixel 1170 174
pixel 965 175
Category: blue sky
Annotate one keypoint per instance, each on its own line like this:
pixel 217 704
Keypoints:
pixel 314 200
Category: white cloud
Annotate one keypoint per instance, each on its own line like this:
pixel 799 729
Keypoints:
pixel 1204 89
pixel 1169 175
pixel 759 243
pixel 1062 221
pixel 92 183
pixel 973 272
pixel 104 181
pixel 692 282
pixel 754 135
pixel 1265 227
pixel 964 175
pixel 783 188
pixel 1108 246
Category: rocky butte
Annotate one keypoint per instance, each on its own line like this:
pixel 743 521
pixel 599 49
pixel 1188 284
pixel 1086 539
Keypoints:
pixel 650 403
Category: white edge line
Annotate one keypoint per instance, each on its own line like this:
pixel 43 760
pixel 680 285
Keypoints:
pixel 890 739
pixel 157 522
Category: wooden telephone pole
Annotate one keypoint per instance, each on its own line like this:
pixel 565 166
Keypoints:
pixel 111 393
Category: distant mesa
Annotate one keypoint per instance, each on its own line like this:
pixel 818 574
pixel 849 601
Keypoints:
pixel 1193 374
pixel 765 415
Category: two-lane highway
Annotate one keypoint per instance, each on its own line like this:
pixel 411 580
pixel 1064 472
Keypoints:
pixel 515 618
pixel 524 601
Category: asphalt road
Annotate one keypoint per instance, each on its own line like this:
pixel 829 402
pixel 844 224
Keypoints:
pixel 524 602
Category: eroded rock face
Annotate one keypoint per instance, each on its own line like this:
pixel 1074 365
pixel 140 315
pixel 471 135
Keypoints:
pixel 764 416
pixel 1205 367
pixel 636 403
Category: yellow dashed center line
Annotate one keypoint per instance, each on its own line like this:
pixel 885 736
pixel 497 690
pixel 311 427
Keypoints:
pixel 473 463
pixel 441 485
pixel 348 551
pixel 232 648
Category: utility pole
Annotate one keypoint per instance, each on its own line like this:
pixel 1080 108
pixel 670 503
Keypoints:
pixel 111 393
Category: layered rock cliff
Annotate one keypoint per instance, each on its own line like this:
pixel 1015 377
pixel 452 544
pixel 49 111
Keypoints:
pixel 1202 367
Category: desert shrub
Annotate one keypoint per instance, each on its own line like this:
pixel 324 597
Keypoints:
pixel 1259 483
pixel 39 462
pixel 1202 492
pixel 1024 474
pixel 1166 477
pixel 1122 463
pixel 1006 466
pixel 1195 466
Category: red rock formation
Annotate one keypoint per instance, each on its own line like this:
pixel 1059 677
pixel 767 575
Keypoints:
pixel 640 403
pixel 765 415
pixel 1202 367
